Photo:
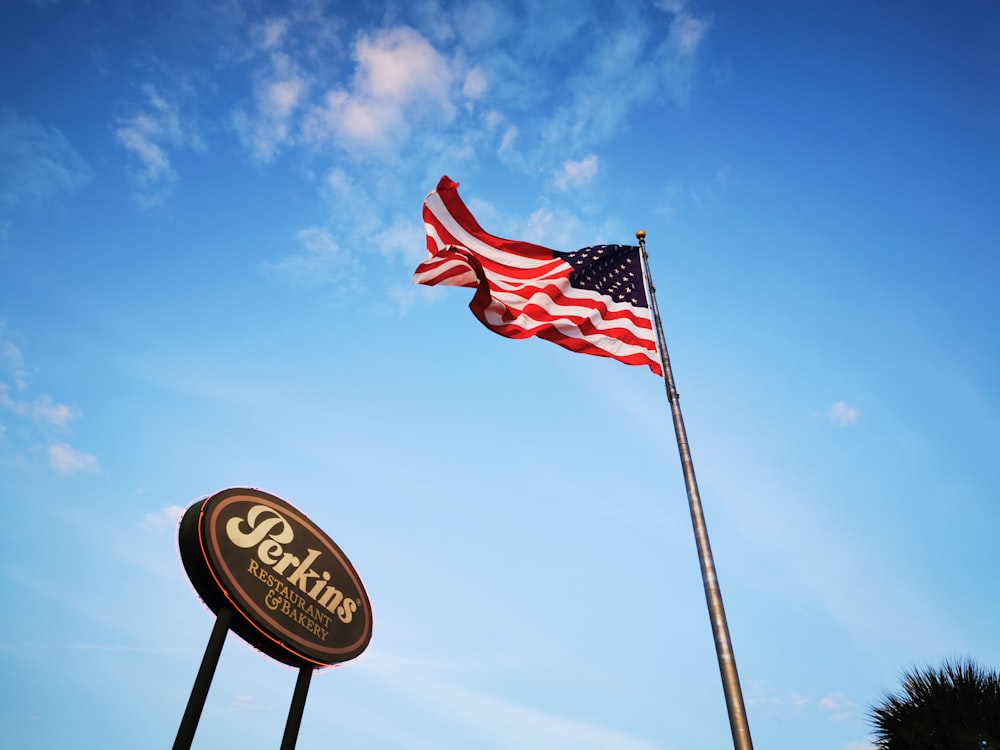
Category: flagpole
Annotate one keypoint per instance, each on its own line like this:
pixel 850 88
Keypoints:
pixel 713 594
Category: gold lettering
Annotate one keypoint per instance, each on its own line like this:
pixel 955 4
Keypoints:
pixel 319 585
pixel 282 565
pixel 303 573
pixel 256 571
pixel 270 531
pixel 264 551
pixel 331 598
pixel 258 532
pixel 346 612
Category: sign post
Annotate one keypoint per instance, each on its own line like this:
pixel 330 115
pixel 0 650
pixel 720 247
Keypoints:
pixel 296 709
pixel 192 714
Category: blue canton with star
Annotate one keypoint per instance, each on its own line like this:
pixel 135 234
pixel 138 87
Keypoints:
pixel 612 270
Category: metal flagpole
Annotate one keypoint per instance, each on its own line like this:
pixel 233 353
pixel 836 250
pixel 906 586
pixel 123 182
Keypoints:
pixel 713 594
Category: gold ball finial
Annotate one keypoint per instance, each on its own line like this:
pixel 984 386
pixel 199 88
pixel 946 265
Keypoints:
pixel 641 234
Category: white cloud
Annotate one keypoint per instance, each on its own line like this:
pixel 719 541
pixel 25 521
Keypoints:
pixel 147 134
pixel 273 31
pixel 46 409
pixel 574 174
pixel 288 55
pixel 536 228
pixel 283 95
pixel 837 706
pixel 687 30
pixel 675 59
pixel 475 84
pixel 482 24
pixel 688 33
pixel 37 163
pixel 399 76
pixel 11 360
pixel 39 413
pixel 632 57
pixel 557 228
pixel 42 409
pixel 68 460
pixel 424 80
pixel 399 64
pixel 403 239
pixel 322 262
pixel 278 93
pixel 508 139
pixel 167 516
pixel 842 414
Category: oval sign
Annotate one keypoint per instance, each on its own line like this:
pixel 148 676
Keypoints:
pixel 294 594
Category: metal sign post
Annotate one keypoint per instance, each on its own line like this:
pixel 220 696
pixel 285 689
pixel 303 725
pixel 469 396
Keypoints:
pixel 297 707
pixel 199 692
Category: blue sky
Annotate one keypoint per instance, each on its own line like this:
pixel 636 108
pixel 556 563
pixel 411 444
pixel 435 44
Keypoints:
pixel 209 220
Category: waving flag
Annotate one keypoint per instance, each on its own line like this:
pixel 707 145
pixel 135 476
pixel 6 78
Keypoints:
pixel 592 301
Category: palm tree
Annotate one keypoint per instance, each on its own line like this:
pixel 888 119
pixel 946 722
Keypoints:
pixel 954 707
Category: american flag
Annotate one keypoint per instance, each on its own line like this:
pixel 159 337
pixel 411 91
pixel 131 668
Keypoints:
pixel 592 301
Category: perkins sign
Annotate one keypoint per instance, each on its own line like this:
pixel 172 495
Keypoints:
pixel 294 594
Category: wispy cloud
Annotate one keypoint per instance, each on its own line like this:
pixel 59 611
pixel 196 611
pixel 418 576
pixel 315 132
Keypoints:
pixel 451 92
pixel 270 126
pixel 320 263
pixel 403 239
pixel 558 228
pixel 42 409
pixel 399 76
pixel 15 386
pixel 838 706
pixel 835 706
pixel 40 417
pixel 843 414
pixel 437 84
pixel 11 360
pixel 167 516
pixel 639 58
pixel 445 88
pixel 687 31
pixel 66 459
pixel 475 84
pixel 574 174
pixel 37 164
pixel 280 87
pixel 149 132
